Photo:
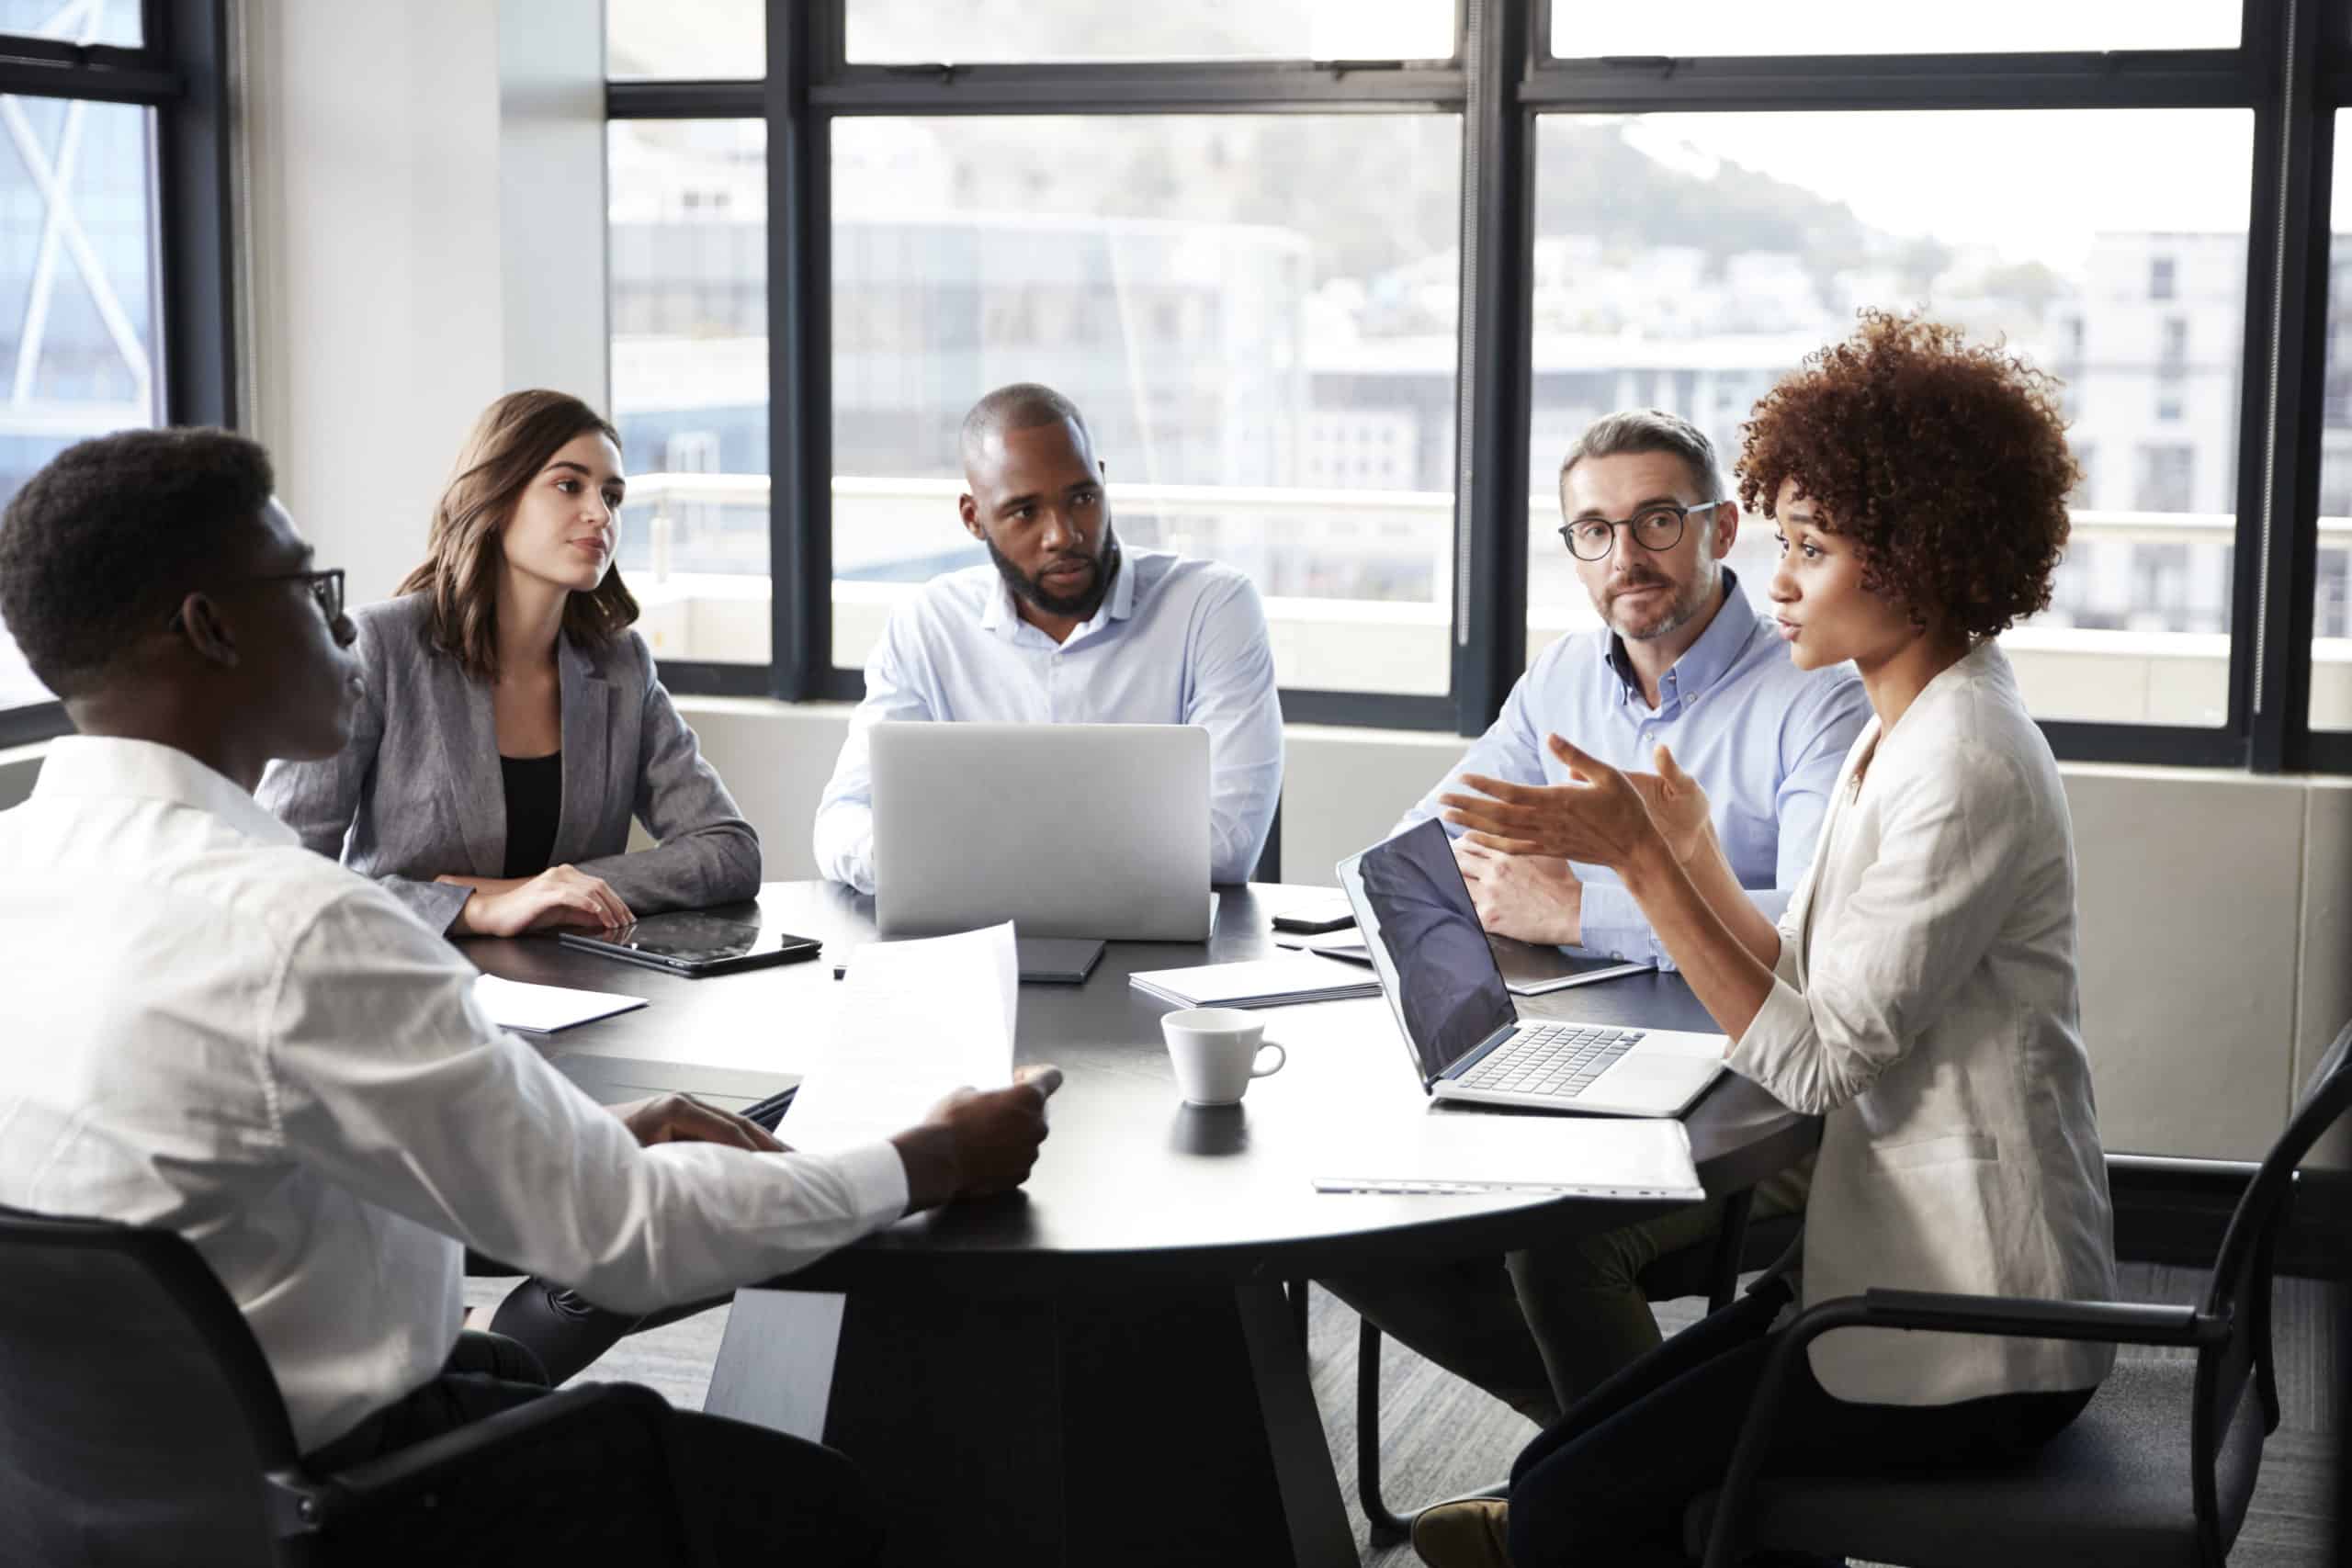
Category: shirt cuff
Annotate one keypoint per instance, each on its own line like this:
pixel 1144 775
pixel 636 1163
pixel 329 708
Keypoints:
pixel 1612 923
pixel 878 1181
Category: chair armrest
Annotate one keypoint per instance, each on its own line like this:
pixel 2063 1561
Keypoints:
pixel 2023 1317
pixel 2027 1317
pixel 625 1420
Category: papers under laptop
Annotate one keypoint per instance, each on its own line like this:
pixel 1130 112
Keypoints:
pixel 1255 982
pixel 1461 1026
pixel 1443 1151
pixel 917 1021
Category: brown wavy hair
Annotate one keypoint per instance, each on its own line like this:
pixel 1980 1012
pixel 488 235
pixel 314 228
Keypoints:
pixel 1944 461
pixel 515 438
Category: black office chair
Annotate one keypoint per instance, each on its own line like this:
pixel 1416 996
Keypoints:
pixel 2158 1470
pixel 1710 1271
pixel 138 1424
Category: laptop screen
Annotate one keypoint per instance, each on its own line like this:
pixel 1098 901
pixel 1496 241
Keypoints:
pixel 1428 947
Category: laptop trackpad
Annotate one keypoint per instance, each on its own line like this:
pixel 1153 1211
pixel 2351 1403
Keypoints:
pixel 1653 1080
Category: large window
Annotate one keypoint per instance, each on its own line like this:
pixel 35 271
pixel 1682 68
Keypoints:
pixel 86 279
pixel 1261 339
pixel 1686 262
pixel 1337 284
pixel 689 310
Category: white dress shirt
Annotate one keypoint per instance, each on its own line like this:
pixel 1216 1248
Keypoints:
pixel 1176 641
pixel 213 1030
pixel 1926 1001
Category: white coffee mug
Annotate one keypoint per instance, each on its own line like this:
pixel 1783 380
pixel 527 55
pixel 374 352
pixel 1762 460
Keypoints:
pixel 1214 1052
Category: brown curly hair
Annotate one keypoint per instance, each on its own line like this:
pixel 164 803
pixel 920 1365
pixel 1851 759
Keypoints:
pixel 1944 461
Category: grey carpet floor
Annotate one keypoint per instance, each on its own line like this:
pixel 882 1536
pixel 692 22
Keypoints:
pixel 1441 1437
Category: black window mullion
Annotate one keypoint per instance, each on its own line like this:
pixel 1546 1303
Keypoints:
pixel 195 345
pixel 800 538
pixel 1490 437
pixel 2287 550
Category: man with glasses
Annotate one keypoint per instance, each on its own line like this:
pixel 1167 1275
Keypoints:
pixel 1681 658
pixel 212 1031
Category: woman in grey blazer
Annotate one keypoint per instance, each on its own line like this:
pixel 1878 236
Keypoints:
pixel 1920 992
pixel 513 723
pixel 510 726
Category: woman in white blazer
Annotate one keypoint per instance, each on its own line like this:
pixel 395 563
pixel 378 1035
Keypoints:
pixel 511 728
pixel 1920 993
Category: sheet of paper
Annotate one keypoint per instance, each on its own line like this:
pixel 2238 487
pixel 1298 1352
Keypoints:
pixel 542 1010
pixel 916 1021
pixel 1445 1150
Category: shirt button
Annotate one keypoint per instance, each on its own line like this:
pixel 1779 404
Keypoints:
pixel 1618 956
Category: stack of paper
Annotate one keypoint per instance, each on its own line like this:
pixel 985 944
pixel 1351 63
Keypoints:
pixel 1469 1151
pixel 918 1021
pixel 1258 983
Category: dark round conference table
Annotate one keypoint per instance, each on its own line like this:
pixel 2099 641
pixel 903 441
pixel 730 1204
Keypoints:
pixel 1102 1368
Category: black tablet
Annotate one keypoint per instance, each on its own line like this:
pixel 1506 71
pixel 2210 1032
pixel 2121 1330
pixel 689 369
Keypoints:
pixel 697 942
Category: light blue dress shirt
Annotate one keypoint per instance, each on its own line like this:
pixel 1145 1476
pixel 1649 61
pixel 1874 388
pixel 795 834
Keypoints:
pixel 1764 739
pixel 1176 641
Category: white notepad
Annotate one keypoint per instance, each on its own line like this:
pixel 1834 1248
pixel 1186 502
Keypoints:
pixel 1468 1151
pixel 543 1010
pixel 1258 983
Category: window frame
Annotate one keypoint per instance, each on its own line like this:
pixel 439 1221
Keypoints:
pixel 2291 69
pixel 181 72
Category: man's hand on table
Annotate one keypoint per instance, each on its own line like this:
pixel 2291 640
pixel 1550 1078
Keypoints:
pixel 682 1119
pixel 1533 897
pixel 975 1145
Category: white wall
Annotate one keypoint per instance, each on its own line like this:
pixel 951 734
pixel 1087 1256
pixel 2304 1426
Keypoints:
pixel 425 230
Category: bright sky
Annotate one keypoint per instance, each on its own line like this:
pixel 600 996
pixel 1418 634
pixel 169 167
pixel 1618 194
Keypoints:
pixel 2036 183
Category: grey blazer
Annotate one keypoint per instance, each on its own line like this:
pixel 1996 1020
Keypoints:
pixel 417 792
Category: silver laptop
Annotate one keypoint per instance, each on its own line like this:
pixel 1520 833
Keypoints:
pixel 1464 1032
pixel 1065 830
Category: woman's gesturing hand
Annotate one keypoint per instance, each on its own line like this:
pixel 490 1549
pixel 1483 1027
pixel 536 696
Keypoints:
pixel 1602 818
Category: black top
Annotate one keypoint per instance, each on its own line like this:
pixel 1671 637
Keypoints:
pixel 534 800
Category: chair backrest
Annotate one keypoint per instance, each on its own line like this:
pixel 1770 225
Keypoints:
pixel 2240 1290
pixel 137 1415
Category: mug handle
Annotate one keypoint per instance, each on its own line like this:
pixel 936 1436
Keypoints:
pixel 1280 1056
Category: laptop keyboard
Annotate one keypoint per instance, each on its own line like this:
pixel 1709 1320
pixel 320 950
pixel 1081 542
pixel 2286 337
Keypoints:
pixel 1557 1059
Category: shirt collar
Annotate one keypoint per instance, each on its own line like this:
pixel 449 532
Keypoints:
pixel 95 767
pixel 1704 663
pixel 999 616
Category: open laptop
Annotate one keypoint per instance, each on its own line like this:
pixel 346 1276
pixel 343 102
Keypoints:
pixel 1464 1032
pixel 1065 830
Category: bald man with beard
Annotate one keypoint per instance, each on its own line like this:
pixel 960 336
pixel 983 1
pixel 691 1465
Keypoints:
pixel 1067 625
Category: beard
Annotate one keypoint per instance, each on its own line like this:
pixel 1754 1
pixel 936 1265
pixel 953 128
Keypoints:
pixel 1678 613
pixel 1079 606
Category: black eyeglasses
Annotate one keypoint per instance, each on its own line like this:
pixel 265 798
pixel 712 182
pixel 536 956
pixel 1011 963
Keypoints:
pixel 1656 527
pixel 325 587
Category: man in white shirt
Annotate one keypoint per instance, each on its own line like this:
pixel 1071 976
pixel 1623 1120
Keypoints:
pixel 245 1044
pixel 1065 625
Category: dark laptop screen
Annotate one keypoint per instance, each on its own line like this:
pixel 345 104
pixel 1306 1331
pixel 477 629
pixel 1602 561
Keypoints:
pixel 1432 956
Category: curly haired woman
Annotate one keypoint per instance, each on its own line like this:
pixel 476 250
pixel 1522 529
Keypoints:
pixel 1919 994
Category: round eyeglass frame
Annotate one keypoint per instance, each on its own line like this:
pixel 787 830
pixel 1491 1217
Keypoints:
pixel 1633 525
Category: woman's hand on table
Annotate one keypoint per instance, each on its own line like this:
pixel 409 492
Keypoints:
pixel 559 895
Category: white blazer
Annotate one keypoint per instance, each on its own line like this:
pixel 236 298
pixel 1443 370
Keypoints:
pixel 1926 1002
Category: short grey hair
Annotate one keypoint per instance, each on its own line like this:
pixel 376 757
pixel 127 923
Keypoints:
pixel 1631 432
